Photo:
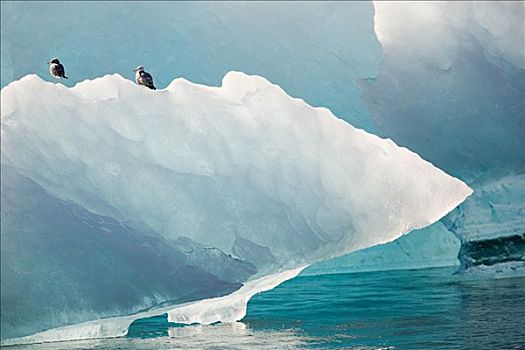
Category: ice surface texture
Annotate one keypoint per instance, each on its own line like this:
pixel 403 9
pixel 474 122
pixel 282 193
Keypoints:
pixel 445 93
pixel 220 165
pixel 62 264
pixel 243 160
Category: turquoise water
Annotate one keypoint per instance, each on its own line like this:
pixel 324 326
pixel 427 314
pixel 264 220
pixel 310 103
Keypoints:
pixel 411 309
pixel 407 309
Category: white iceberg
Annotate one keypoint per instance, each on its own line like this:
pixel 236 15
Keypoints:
pixel 441 78
pixel 243 162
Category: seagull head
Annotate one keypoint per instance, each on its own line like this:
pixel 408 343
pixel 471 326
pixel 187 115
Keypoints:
pixel 138 69
pixel 54 60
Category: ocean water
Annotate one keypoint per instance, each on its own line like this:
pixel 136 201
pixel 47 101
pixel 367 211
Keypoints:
pixel 404 309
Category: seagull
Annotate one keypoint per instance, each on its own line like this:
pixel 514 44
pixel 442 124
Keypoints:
pixel 144 78
pixel 57 69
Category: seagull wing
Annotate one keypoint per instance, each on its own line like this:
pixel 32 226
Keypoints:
pixel 146 79
pixel 58 70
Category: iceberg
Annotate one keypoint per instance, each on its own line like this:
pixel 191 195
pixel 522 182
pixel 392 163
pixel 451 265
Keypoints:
pixel 444 79
pixel 243 159
pixel 462 66
pixel 433 246
pixel 202 174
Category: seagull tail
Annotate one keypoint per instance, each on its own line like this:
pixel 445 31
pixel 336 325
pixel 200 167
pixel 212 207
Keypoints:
pixel 65 77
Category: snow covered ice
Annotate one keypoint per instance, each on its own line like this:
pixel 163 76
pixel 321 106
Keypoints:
pixel 236 168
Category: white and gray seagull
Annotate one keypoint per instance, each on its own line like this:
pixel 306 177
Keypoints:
pixel 57 69
pixel 144 78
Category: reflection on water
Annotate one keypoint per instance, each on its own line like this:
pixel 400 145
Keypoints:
pixel 221 336
pixel 412 309
pixel 237 336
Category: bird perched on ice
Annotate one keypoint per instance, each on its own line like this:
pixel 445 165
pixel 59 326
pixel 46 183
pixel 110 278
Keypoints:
pixel 144 78
pixel 57 69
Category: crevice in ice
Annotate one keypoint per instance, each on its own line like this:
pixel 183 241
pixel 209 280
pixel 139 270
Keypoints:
pixel 497 254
